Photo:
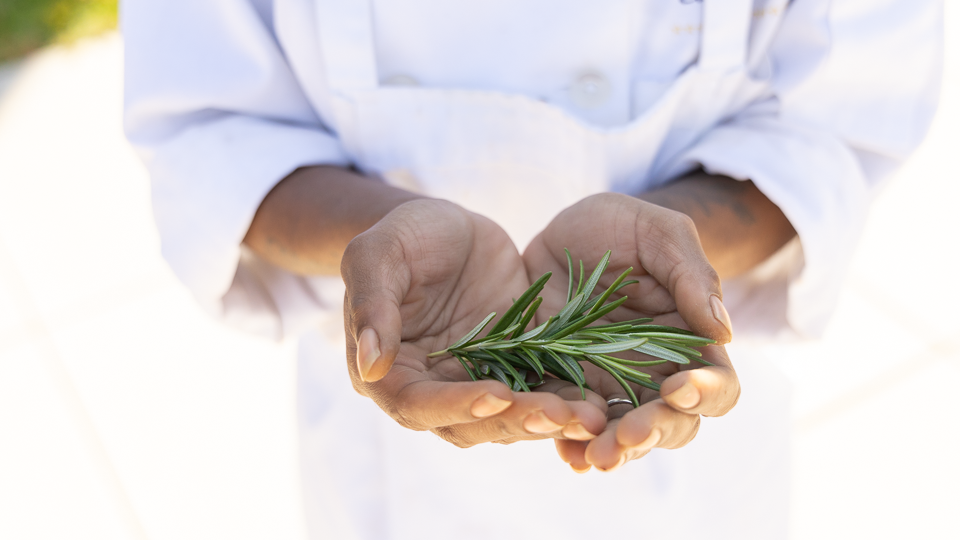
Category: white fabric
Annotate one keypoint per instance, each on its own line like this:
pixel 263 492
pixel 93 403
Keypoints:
pixel 211 86
pixel 547 101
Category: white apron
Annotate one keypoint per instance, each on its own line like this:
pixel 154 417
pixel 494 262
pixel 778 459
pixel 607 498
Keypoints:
pixel 365 477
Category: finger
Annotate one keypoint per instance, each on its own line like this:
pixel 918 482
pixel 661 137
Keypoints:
pixel 605 452
pixel 710 390
pixel 589 408
pixel 656 425
pixel 531 416
pixel 422 404
pixel 376 279
pixel 652 425
pixel 669 249
pixel 573 454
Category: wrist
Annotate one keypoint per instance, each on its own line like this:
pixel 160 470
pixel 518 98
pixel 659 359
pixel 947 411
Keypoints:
pixel 306 221
pixel 737 225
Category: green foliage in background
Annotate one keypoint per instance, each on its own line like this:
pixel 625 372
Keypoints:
pixel 26 25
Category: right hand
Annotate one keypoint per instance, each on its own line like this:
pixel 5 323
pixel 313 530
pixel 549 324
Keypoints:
pixel 677 287
pixel 419 280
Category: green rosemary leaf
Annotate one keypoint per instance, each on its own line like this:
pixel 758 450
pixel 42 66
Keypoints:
pixel 568 311
pixel 532 360
pixel 533 333
pixel 574 371
pixel 569 275
pixel 555 367
pixel 518 362
pixel 597 272
pixel 472 334
pixel 618 325
pixel 606 294
pixel 694 341
pixel 637 377
pixel 660 352
pixel 587 319
pixel 658 328
pixel 494 337
pixel 629 375
pixel 580 282
pixel 578 369
pixel 573 342
pixel 607 348
pixel 612 370
pixel 605 331
pixel 557 347
pixel 635 363
pixel 650 384
pixel 498 374
pixel 588 305
pixel 626 284
pixel 509 318
pixel 494 345
pixel 528 316
pixel 463 362
pixel 513 372
pixel 677 347
pixel 594 336
pixel 597 301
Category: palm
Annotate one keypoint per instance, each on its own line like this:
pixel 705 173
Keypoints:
pixel 673 278
pixel 461 270
pixel 646 299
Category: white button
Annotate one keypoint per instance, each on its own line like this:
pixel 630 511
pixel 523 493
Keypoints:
pixel 401 80
pixel 590 91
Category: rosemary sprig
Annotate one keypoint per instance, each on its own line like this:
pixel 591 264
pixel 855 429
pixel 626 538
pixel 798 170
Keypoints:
pixel 521 359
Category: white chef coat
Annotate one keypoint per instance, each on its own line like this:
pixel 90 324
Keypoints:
pixel 815 101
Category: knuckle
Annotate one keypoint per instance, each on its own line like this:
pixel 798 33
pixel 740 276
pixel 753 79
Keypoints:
pixel 685 223
pixel 402 417
pixel 359 386
pixel 352 256
pixel 453 436
pixel 730 404
pixel 711 275
pixel 500 427
pixel 690 433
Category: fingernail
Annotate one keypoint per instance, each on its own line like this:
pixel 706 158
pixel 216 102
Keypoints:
pixel 623 459
pixel 685 397
pixel 577 432
pixel 581 471
pixel 720 312
pixel 649 442
pixel 368 351
pixel 488 405
pixel 539 423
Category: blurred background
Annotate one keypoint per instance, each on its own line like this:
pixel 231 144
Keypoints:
pixel 125 413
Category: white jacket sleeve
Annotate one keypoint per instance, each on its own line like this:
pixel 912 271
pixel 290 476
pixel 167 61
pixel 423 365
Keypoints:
pixel 854 86
pixel 215 112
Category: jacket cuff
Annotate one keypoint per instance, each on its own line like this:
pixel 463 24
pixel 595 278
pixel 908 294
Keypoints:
pixel 824 194
pixel 204 202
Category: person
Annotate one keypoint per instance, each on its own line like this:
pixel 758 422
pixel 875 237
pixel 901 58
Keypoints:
pixel 439 156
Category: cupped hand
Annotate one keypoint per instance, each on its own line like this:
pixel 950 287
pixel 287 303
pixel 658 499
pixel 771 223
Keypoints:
pixel 677 287
pixel 416 282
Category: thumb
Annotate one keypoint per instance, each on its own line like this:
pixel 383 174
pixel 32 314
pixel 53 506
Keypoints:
pixel 376 279
pixel 669 250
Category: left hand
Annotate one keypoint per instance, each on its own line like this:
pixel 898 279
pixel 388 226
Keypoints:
pixel 678 287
